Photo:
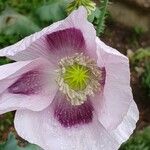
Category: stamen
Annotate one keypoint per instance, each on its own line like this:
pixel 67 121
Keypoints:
pixel 79 77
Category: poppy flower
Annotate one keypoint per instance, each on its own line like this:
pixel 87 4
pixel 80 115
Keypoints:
pixel 70 90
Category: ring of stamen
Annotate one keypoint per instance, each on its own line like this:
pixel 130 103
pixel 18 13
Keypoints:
pixel 78 77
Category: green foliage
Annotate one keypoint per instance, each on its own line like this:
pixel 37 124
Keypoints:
pixel 141 63
pixel 94 16
pixel 6 121
pixel 140 56
pixel 23 6
pixel 12 23
pixel 11 144
pixel 138 31
pixel 4 61
pixel 102 16
pixel 51 12
pixel 6 40
pixel 38 10
pixel 146 78
pixel 140 141
pixel 19 19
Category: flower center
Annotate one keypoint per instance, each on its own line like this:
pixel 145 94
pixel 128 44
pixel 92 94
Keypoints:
pixel 79 77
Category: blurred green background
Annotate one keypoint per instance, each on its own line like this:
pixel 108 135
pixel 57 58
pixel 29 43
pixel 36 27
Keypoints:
pixel 127 28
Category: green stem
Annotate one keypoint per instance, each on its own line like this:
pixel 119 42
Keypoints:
pixel 103 10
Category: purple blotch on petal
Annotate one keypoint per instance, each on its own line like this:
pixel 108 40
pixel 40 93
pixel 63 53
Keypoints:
pixel 28 83
pixel 69 115
pixel 66 41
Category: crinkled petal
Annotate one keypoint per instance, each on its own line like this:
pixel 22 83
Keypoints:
pixel 81 37
pixel 125 129
pixel 117 96
pixel 43 129
pixel 29 84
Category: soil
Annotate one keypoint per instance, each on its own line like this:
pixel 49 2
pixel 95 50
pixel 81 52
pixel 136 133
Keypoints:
pixel 123 38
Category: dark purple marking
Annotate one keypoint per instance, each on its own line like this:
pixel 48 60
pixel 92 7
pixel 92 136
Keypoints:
pixel 66 41
pixel 69 115
pixel 28 83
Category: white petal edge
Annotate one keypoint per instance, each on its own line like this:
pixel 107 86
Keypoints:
pixel 127 126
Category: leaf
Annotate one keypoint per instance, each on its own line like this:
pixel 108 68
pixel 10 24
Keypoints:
pixel 140 141
pixel 11 144
pixel 94 17
pixel 4 61
pixel 102 16
pixel 52 12
pixel 12 22
pixel 146 78
pixel 140 61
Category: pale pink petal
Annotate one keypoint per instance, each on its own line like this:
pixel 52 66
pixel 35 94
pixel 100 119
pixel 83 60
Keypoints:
pixel 36 45
pixel 30 85
pixel 43 129
pixel 127 126
pixel 116 97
